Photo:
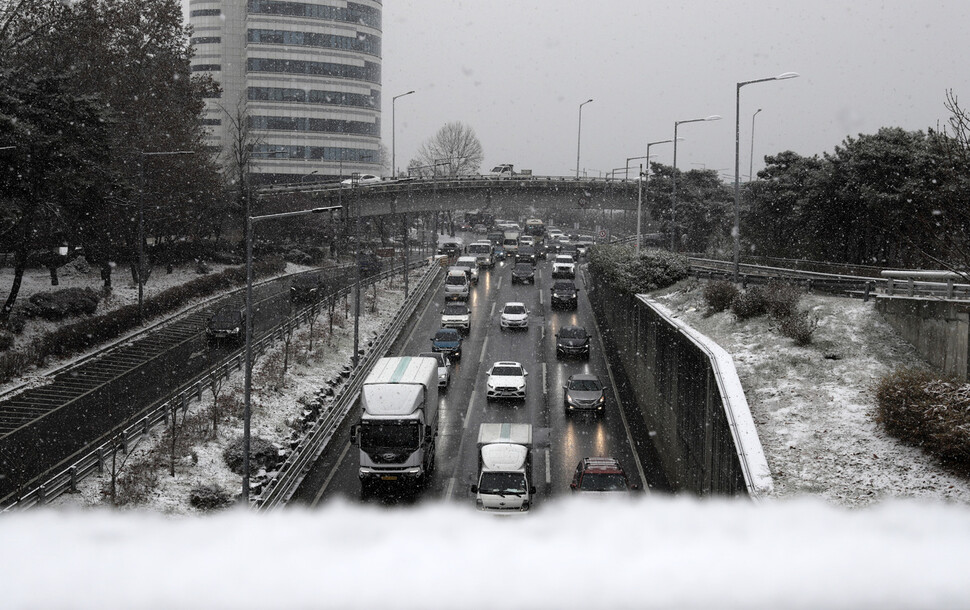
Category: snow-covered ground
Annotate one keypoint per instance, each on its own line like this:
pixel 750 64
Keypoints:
pixel 815 406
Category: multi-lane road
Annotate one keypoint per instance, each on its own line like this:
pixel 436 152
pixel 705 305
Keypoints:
pixel 561 440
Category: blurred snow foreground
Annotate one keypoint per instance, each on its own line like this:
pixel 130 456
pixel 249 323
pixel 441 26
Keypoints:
pixel 658 552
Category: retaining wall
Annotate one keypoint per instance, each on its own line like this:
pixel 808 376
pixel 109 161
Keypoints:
pixel 940 330
pixel 687 391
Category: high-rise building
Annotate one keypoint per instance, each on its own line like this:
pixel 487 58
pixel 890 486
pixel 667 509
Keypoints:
pixel 304 78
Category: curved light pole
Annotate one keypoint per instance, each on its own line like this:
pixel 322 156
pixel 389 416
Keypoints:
pixel 673 175
pixel 393 156
pixel 751 160
pixel 736 232
pixel 579 134
pixel 644 178
pixel 248 323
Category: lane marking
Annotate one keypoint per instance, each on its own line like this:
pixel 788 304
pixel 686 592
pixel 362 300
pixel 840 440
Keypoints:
pixel 491 314
pixel 540 298
pixel 450 489
pixel 545 384
pixel 548 469
pixel 499 285
pixel 468 412
pixel 481 358
pixel 619 406
pixel 333 473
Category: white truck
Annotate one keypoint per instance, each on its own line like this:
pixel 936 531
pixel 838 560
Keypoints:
pixel 398 426
pixel 484 252
pixel 504 468
pixel 506 171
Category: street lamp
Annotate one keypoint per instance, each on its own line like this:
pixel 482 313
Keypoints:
pixel 673 175
pixel 303 178
pixel 751 160
pixel 626 175
pixel 140 273
pixel 579 134
pixel 644 177
pixel 393 130
pixel 248 381
pixel 736 233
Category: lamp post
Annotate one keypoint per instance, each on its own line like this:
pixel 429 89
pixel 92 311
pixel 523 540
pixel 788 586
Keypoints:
pixel 579 134
pixel 140 272
pixel 393 130
pixel 247 383
pixel 303 178
pixel 751 160
pixel 644 177
pixel 355 185
pixel 626 175
pixel 673 196
pixel 736 232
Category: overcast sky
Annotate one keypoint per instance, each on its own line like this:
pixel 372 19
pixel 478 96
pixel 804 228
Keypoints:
pixel 517 72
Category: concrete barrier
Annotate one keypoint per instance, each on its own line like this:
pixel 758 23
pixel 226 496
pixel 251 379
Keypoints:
pixel 938 329
pixel 687 391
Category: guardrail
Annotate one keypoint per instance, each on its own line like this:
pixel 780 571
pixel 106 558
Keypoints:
pixel 96 460
pixel 280 489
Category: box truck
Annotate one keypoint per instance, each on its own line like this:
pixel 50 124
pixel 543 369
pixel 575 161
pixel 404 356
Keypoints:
pixel 398 425
pixel 504 468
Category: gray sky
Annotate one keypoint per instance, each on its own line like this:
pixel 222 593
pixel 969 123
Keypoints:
pixel 517 72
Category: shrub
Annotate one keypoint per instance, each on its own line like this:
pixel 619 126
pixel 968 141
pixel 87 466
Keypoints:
pixel 262 454
pixel 719 295
pixel 135 482
pixel 60 304
pixel 209 497
pixel 782 299
pixel 6 340
pixel 654 269
pixel 799 326
pixel 751 303
pixel 924 410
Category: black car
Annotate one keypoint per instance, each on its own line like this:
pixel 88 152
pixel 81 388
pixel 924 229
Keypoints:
pixel 572 341
pixel 227 324
pixel 571 250
pixel 306 288
pixel 524 273
pixel 564 295
pixel 526 254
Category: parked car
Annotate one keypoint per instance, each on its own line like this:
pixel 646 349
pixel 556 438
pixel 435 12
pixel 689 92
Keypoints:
pixel 444 367
pixel 600 475
pixel 572 341
pixel 514 315
pixel 505 380
pixel 227 324
pixel 565 295
pixel 584 392
pixel 524 273
pixel 456 315
pixel 448 342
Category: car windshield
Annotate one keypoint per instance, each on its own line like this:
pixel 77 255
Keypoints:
pixel 564 287
pixel 514 309
pixel 456 280
pixel 603 481
pixel 446 334
pixel 226 315
pixel 455 310
pixel 479 248
pixel 572 333
pixel 564 259
pixel 526 267
pixel 507 371
pixel 585 385
pixel 388 436
pixel 502 483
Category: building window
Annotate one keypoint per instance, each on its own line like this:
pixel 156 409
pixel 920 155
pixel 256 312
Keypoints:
pixel 370 72
pixel 316 96
pixel 282 123
pixel 206 12
pixel 206 40
pixel 352 13
pixel 206 68
pixel 362 43
pixel 212 121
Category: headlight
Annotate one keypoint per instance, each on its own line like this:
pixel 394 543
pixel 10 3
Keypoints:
pixel 570 400
pixel 602 399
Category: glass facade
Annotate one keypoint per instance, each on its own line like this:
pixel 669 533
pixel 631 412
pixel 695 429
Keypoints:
pixel 353 13
pixel 362 43
pixel 315 96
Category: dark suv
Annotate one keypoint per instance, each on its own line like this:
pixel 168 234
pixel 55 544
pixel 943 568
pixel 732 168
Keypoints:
pixel 572 341
pixel 447 341
pixel 526 254
pixel 524 273
pixel 565 295
pixel 227 324
pixel 306 288
pixel 600 475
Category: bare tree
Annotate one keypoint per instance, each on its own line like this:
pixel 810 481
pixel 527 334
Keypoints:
pixel 453 151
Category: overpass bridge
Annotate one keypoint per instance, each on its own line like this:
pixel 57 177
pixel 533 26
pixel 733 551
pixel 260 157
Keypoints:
pixel 463 192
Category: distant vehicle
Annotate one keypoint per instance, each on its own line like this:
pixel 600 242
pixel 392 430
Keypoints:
pixel 600 475
pixel 483 251
pixel 506 171
pixel 470 263
pixel 398 426
pixel 564 295
pixel 514 315
pixel 480 229
pixel 496 237
pixel 526 240
pixel 569 248
pixel 572 341
pixel 563 266
pixel 306 288
pixel 362 179
pixel 370 263
pixel 584 392
pixel 535 227
pixel 444 367
pixel 448 342
pixel 511 242
pixel 456 315
pixel 449 248
pixel 227 324
pixel 499 252
pixel 456 285
pixel 465 227
pixel 505 380
pixel 526 254
pixel 504 468
pixel 523 273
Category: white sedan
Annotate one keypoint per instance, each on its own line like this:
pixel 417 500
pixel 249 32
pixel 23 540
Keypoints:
pixel 361 179
pixel 506 380
pixel 514 315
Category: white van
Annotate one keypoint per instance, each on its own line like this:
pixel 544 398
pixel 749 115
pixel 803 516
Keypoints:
pixel 456 285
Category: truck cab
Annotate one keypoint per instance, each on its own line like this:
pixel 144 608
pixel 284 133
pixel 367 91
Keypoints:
pixel 502 172
pixel 505 482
